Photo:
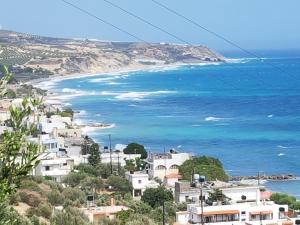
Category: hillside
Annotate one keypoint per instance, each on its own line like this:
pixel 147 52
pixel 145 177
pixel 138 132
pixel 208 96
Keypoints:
pixel 35 56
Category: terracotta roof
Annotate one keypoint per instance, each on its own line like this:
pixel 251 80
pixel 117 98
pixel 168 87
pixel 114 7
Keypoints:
pixel 261 212
pixel 174 175
pixel 221 212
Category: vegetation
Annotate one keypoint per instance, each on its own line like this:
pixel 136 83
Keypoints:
pixel 291 201
pixel 134 148
pixel 135 165
pixel 14 146
pixel 209 167
pixel 94 158
pixel 217 196
pixel 156 196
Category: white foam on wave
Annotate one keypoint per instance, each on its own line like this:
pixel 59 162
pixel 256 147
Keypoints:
pixel 196 125
pixel 281 146
pixel 133 95
pixel 270 116
pixel 212 118
pixel 103 79
pixel 281 154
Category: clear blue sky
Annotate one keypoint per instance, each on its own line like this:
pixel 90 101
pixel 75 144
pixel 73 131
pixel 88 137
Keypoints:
pixel 253 24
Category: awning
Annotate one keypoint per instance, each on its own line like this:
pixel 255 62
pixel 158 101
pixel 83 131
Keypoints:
pixel 221 212
pixel 261 212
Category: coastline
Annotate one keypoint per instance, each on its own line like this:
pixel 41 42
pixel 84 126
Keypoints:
pixel 115 72
pixel 55 98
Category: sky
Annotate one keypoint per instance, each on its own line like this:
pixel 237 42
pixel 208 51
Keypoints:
pixel 252 24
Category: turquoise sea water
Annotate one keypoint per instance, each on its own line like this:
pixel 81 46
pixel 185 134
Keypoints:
pixel 246 112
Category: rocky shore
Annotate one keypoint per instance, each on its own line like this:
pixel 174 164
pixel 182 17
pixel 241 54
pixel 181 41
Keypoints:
pixel 264 177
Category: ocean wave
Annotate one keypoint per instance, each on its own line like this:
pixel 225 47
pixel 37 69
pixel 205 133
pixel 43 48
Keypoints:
pixel 212 118
pixel 281 146
pixel 103 79
pixel 281 154
pixel 196 125
pixel 140 95
pixel 270 116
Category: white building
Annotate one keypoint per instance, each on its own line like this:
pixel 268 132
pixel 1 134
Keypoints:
pixel 185 193
pixel 163 164
pixel 52 166
pixel 117 158
pixel 140 182
pixel 265 213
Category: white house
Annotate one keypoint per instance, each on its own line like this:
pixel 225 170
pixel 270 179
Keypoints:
pixel 140 182
pixel 52 166
pixel 162 164
pixel 264 213
pixel 185 193
pixel 117 158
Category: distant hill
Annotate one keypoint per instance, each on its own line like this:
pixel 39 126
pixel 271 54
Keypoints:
pixel 32 56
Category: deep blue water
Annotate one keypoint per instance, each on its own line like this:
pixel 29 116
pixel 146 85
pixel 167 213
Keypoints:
pixel 246 113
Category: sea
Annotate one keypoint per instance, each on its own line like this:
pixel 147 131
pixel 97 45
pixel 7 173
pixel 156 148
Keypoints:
pixel 246 112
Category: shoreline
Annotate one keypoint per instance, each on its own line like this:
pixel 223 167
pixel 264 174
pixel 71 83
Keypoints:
pixel 53 97
pixel 115 72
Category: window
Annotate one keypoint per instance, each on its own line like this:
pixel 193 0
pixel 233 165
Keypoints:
pixel 47 168
pixel 243 212
pixel 173 167
pixel 160 167
pixel 139 181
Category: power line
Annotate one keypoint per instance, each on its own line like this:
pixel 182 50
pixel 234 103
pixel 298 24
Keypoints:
pixel 140 39
pixel 217 35
pixel 147 22
pixel 102 20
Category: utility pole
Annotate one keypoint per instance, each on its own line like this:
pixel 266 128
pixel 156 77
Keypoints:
pixel 258 179
pixel 163 208
pixel 201 196
pixel 110 151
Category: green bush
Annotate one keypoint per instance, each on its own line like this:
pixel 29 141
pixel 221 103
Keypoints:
pixel 156 196
pixel 55 197
pixel 119 184
pixel 209 167
pixel 73 179
pixel 74 194
pixel 70 216
pixel 44 210
pixel 134 148
pixel 281 198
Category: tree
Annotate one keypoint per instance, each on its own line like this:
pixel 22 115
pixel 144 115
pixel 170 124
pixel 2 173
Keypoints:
pixel 209 167
pixel 94 158
pixel 70 216
pixel 92 184
pixel 18 156
pixel 134 148
pixel 281 198
pixel 119 184
pixel 156 196
pixel 217 196
pixel 135 165
pixel 73 179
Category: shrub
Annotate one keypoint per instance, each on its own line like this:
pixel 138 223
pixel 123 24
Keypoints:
pixel 74 194
pixel 14 199
pixel 73 179
pixel 70 216
pixel 119 184
pixel 209 167
pixel 31 198
pixel 30 185
pixel 134 148
pixel 156 196
pixel 44 210
pixel 55 198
